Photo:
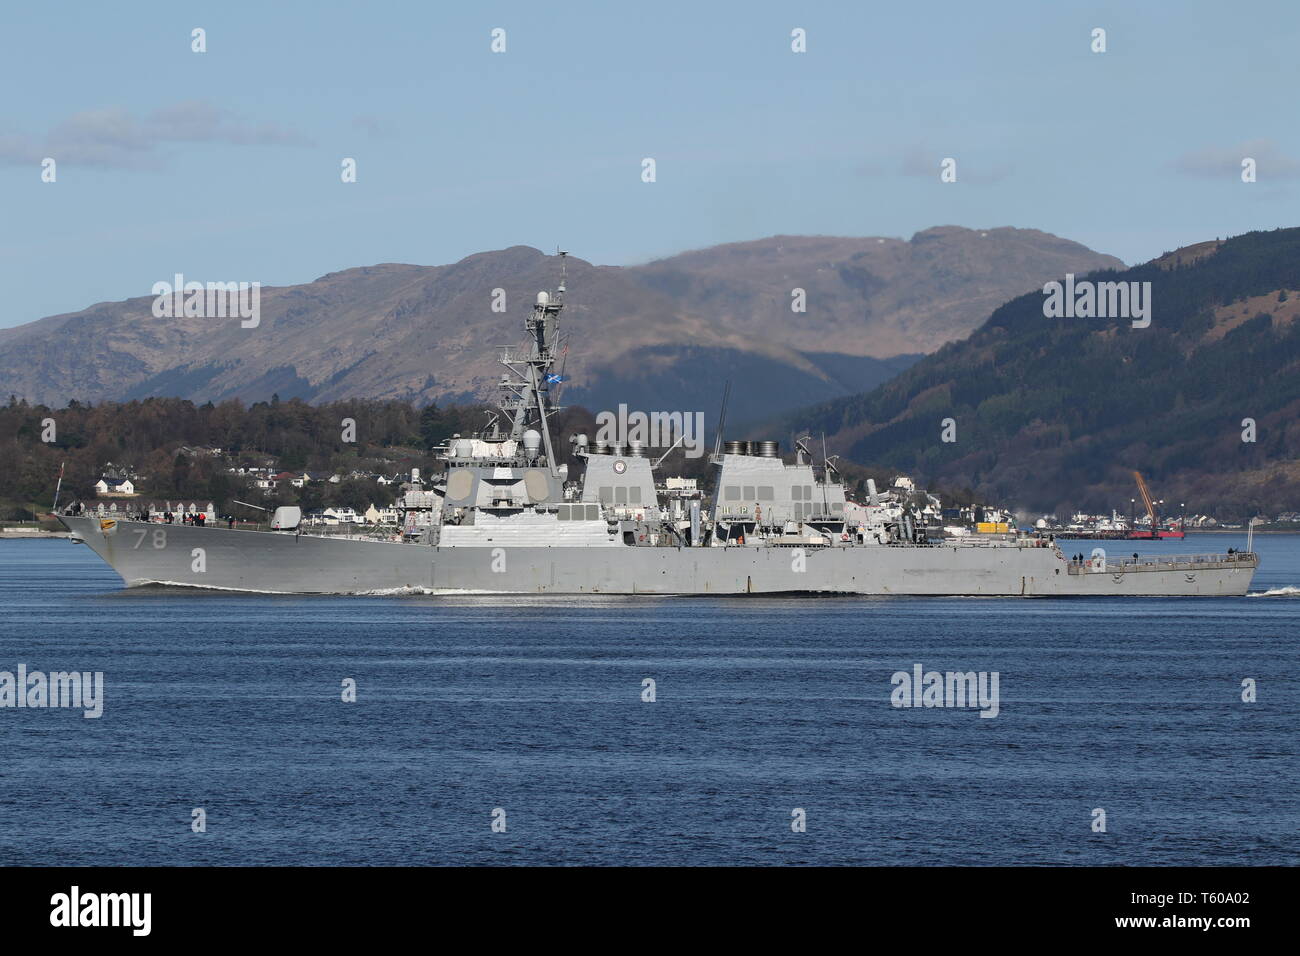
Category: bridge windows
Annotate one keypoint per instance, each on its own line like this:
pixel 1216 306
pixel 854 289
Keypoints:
pixel 620 494
pixel 587 512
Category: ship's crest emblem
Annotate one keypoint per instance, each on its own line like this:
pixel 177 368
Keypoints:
pixel 107 525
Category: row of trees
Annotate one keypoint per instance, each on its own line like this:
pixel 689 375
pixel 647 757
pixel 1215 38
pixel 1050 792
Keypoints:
pixel 170 443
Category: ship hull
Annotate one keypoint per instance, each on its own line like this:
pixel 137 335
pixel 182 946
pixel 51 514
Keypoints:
pixel 309 564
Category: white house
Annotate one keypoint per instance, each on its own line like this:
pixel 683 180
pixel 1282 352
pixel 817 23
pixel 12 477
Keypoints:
pixel 115 487
pixel 387 515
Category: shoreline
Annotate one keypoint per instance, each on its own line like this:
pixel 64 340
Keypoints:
pixel 1258 530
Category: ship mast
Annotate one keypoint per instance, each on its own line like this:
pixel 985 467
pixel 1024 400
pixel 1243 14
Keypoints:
pixel 526 402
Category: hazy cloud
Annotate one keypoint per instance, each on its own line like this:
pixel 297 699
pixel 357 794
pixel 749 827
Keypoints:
pixel 377 128
pixel 925 163
pixel 113 137
pixel 17 149
pixel 918 162
pixel 1218 162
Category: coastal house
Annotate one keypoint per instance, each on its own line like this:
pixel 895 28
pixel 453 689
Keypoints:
pixel 387 515
pixel 115 487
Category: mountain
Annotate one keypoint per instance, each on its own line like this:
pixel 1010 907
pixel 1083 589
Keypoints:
pixel 1056 413
pixel 658 336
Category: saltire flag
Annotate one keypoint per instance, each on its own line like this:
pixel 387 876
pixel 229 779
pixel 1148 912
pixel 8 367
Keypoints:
pixel 555 379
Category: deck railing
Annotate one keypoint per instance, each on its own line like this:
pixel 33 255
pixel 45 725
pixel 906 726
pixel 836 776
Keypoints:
pixel 1165 563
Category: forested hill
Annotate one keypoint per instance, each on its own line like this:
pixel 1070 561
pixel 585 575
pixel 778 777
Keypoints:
pixel 173 449
pixel 1055 413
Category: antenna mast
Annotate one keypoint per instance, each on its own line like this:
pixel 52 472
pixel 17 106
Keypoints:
pixel 722 419
pixel 58 487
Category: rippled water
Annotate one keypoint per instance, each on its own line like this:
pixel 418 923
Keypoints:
pixel 232 703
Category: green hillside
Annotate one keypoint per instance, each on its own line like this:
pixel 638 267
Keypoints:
pixel 1055 413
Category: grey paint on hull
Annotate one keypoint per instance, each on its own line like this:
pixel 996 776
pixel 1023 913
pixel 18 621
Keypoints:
pixel 290 563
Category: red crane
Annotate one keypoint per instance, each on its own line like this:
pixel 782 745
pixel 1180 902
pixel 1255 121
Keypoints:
pixel 1151 512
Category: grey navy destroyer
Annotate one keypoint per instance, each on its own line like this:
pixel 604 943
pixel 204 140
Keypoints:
pixel 504 518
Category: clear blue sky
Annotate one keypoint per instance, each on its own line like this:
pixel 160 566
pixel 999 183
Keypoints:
pixel 225 165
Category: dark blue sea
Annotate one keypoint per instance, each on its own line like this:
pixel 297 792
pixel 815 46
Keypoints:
pixel 232 703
